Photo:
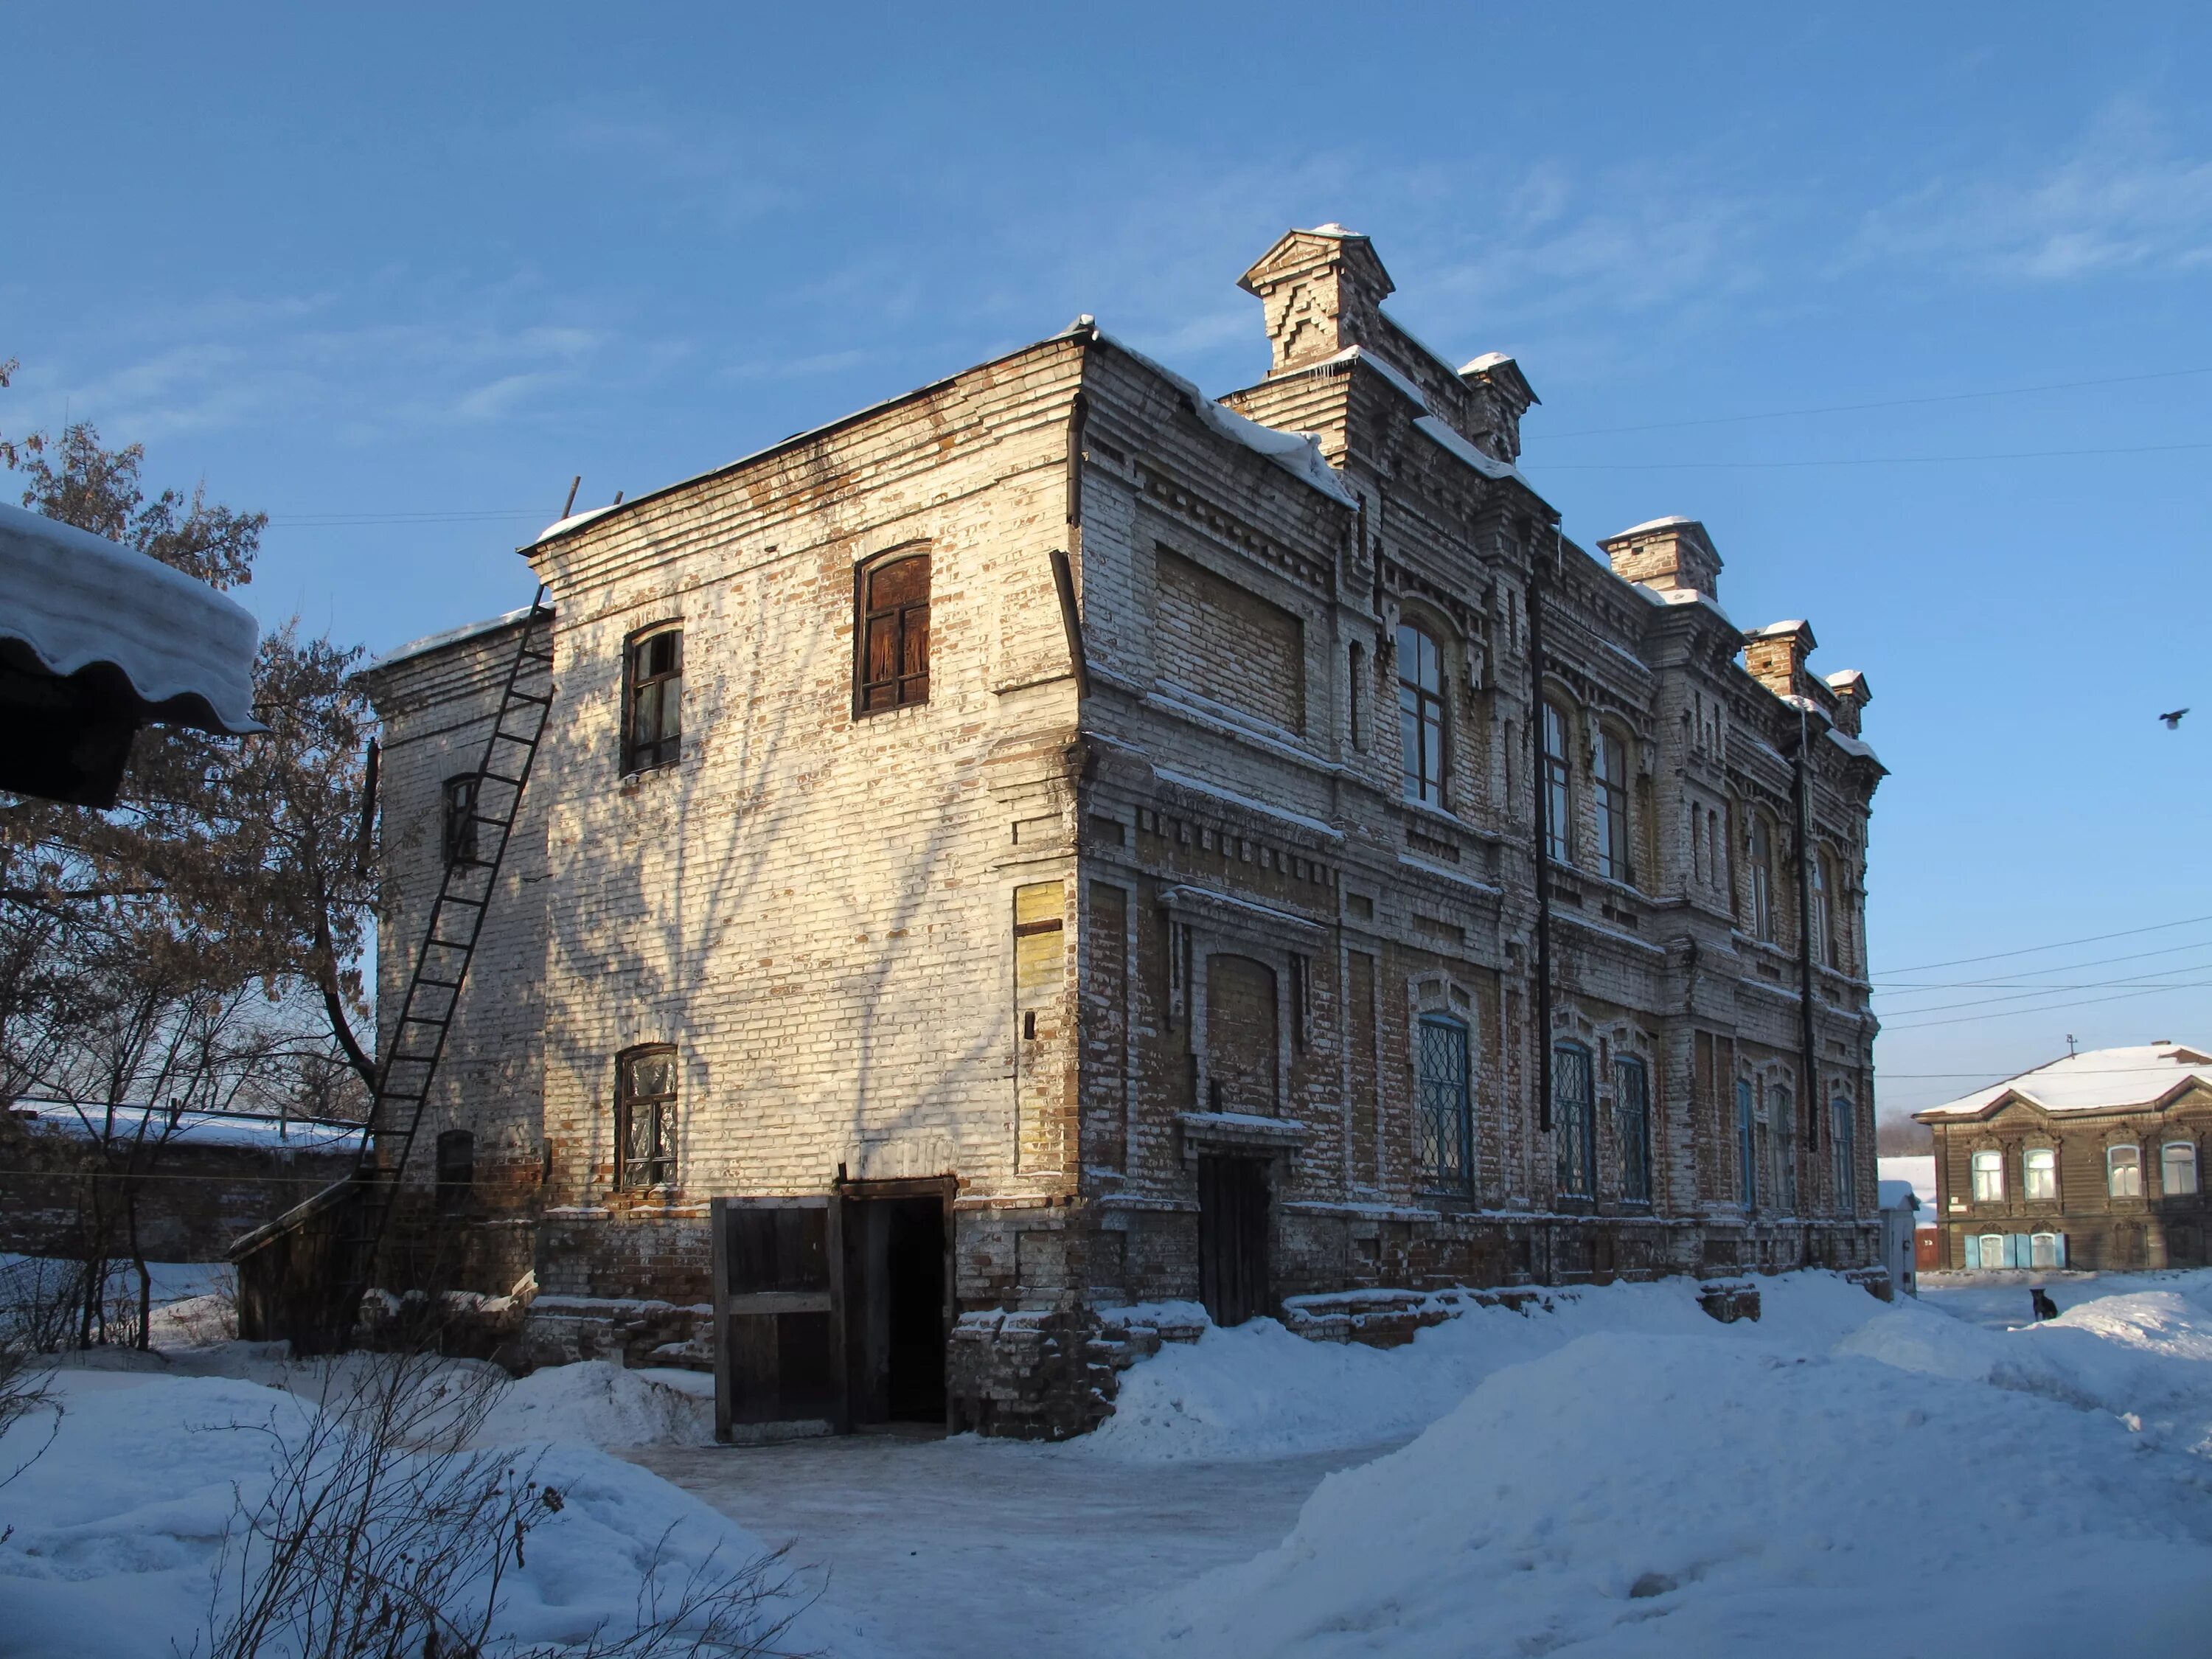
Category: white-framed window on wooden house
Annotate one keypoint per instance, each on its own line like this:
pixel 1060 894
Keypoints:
pixel 2046 1251
pixel 645 1116
pixel 2177 1168
pixel 653 699
pixel 1989 1176
pixel 1612 826
pixel 2123 1171
pixel 1421 713
pixel 2039 1172
pixel 1557 783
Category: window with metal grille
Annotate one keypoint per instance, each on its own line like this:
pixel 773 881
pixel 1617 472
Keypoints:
pixel 645 1117
pixel 1421 713
pixel 1613 840
pixel 1747 1144
pixel 1632 1088
pixel 2177 1171
pixel 1574 1120
pixel 2040 1170
pixel 1558 795
pixel 460 818
pixel 653 698
pixel 2123 1171
pixel 1843 1140
pixel 1446 1118
pixel 891 640
pixel 1989 1176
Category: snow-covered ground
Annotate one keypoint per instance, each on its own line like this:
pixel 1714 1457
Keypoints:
pixel 1613 1473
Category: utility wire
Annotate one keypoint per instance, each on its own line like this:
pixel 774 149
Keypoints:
pixel 2146 982
pixel 2008 1013
pixel 1889 403
pixel 1862 460
pixel 2061 944
pixel 2064 967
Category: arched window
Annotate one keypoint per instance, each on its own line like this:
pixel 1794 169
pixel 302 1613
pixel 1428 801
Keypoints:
pixel 653 698
pixel 1989 1176
pixel 1632 1088
pixel 1241 1035
pixel 1574 1120
pixel 1843 1140
pixel 891 638
pixel 2123 1171
pixel 1421 713
pixel 1762 880
pixel 1613 807
pixel 2176 1171
pixel 645 1116
pixel 1445 1123
pixel 1747 1144
pixel 1558 795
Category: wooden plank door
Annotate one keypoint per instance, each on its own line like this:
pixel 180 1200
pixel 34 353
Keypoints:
pixel 779 1318
pixel 1232 1238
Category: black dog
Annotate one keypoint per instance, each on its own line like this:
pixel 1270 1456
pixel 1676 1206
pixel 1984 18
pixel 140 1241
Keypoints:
pixel 2045 1306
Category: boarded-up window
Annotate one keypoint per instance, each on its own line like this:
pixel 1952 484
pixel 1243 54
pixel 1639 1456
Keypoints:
pixel 1227 643
pixel 1039 961
pixel 1042 1064
pixel 1240 1035
pixel 892 637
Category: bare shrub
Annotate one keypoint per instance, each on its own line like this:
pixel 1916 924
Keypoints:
pixel 385 1532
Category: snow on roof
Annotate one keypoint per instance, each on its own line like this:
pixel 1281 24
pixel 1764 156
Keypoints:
pixel 1489 465
pixel 2100 1079
pixel 188 1129
pixel 1898 1195
pixel 1296 453
pixel 76 599
pixel 1672 521
pixel 430 642
pixel 1916 1170
pixel 1488 360
pixel 1776 630
pixel 1856 747
pixel 563 526
pixel 1843 678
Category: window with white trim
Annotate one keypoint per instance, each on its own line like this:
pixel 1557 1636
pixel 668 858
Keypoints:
pixel 2123 1171
pixel 2038 1169
pixel 2177 1168
pixel 1988 1177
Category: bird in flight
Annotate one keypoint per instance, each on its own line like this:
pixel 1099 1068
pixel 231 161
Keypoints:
pixel 2172 718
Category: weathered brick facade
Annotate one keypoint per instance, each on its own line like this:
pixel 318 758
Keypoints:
pixel 1064 930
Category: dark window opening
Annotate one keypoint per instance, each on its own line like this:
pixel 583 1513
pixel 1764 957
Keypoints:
pixel 1559 793
pixel 1613 825
pixel 652 726
pixel 460 818
pixel 457 1170
pixel 1747 1144
pixel 644 1118
pixel 892 639
pixel 1632 1115
pixel 895 1296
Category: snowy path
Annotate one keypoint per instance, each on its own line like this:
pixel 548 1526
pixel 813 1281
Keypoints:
pixel 940 1548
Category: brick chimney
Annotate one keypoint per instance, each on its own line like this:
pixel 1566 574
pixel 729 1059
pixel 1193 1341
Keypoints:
pixel 1852 695
pixel 1776 653
pixel 1322 290
pixel 1670 554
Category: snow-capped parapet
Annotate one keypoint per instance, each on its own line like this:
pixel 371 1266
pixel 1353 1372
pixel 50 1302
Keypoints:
pixel 1856 748
pixel 78 601
pixel 1296 453
pixel 436 641
pixel 574 521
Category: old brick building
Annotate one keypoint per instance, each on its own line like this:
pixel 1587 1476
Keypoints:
pixel 1050 841
pixel 2092 1161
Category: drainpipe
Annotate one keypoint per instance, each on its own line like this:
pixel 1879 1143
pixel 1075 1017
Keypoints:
pixel 1802 781
pixel 1541 850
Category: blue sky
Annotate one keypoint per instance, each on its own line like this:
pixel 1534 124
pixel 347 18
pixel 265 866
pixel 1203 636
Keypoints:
pixel 396 277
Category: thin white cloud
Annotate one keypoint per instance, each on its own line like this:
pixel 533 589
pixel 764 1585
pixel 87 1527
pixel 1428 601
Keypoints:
pixel 2123 201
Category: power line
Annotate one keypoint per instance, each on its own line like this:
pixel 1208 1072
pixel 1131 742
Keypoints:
pixel 2030 973
pixel 1862 460
pixel 1888 402
pixel 2062 945
pixel 2008 1013
pixel 2022 995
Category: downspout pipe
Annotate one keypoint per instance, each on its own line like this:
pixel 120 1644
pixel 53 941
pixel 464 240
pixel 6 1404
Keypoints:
pixel 1801 782
pixel 1540 849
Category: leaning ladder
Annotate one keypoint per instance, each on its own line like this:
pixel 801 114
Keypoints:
pixel 426 1012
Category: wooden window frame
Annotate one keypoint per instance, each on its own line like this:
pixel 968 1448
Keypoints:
pixel 1444 1104
pixel 908 689
pixel 1631 1106
pixel 2027 1173
pixel 1574 1120
pixel 1747 1143
pixel 1761 855
pixel 1975 1170
pixel 660 1168
pixel 2112 1169
pixel 1556 777
pixel 1424 705
pixel 1615 831
pixel 2166 1161
pixel 667 748
pixel 458 799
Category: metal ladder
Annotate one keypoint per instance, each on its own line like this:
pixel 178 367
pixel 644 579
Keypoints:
pixel 441 965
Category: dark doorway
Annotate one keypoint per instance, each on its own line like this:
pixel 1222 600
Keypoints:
pixel 897 1269
pixel 1232 1238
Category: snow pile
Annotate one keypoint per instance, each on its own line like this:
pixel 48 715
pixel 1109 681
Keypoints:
pixel 1838 1478
pixel 1259 1391
pixel 597 1403
pixel 118 1527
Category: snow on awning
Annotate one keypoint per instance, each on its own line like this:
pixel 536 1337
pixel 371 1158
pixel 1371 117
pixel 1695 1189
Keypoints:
pixel 77 603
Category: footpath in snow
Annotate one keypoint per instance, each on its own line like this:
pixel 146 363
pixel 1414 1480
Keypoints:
pixel 1615 1474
